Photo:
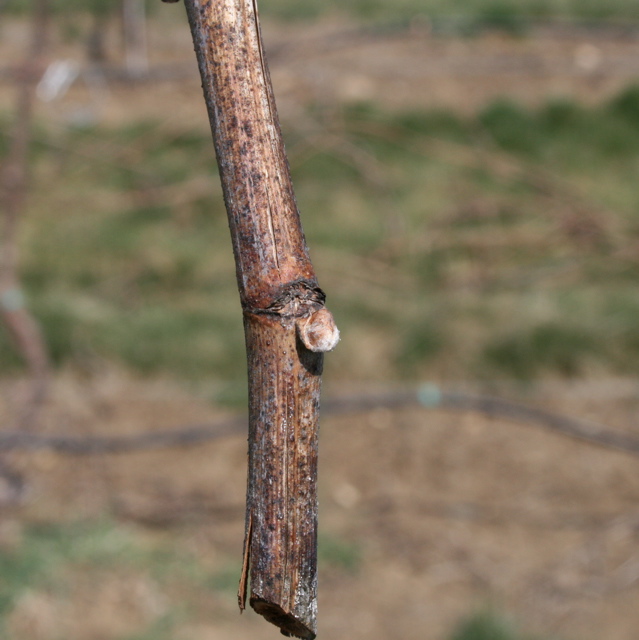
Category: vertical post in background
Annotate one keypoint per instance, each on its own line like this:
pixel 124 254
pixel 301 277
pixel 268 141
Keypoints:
pixel 287 326
pixel 14 184
pixel 135 40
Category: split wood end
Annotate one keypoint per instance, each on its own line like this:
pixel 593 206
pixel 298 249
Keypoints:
pixel 288 624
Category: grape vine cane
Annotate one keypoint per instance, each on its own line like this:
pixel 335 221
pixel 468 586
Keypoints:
pixel 287 327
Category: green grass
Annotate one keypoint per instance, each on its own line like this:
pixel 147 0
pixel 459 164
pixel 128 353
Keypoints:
pixel 334 553
pixel 509 14
pixel 486 625
pixel 556 347
pixel 500 245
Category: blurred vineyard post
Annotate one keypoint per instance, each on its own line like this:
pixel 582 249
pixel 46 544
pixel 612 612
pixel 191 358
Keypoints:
pixel 13 194
pixel 286 325
pixel 135 40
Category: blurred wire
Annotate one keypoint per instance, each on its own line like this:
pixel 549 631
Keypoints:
pixel 428 396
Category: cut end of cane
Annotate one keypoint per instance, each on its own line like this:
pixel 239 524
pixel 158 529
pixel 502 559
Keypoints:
pixel 288 624
pixel 318 331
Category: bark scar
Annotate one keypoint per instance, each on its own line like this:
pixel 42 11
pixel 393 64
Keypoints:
pixel 296 299
pixel 260 47
pixel 269 215
pixel 242 589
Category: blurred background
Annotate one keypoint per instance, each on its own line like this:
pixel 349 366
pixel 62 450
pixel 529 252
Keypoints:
pixel 467 174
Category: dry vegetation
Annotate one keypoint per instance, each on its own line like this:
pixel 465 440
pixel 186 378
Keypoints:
pixel 460 236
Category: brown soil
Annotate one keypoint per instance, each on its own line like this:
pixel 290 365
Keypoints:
pixel 330 63
pixel 450 511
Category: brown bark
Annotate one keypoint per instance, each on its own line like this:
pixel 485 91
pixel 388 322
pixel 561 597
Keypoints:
pixel 286 325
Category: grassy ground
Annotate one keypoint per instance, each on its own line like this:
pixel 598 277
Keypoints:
pixel 497 246
pixel 505 13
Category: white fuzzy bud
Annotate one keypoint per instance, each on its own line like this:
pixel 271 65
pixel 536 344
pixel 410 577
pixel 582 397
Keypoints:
pixel 318 331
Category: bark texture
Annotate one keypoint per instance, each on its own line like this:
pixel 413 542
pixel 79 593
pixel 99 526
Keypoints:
pixel 286 325
pixel 269 246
